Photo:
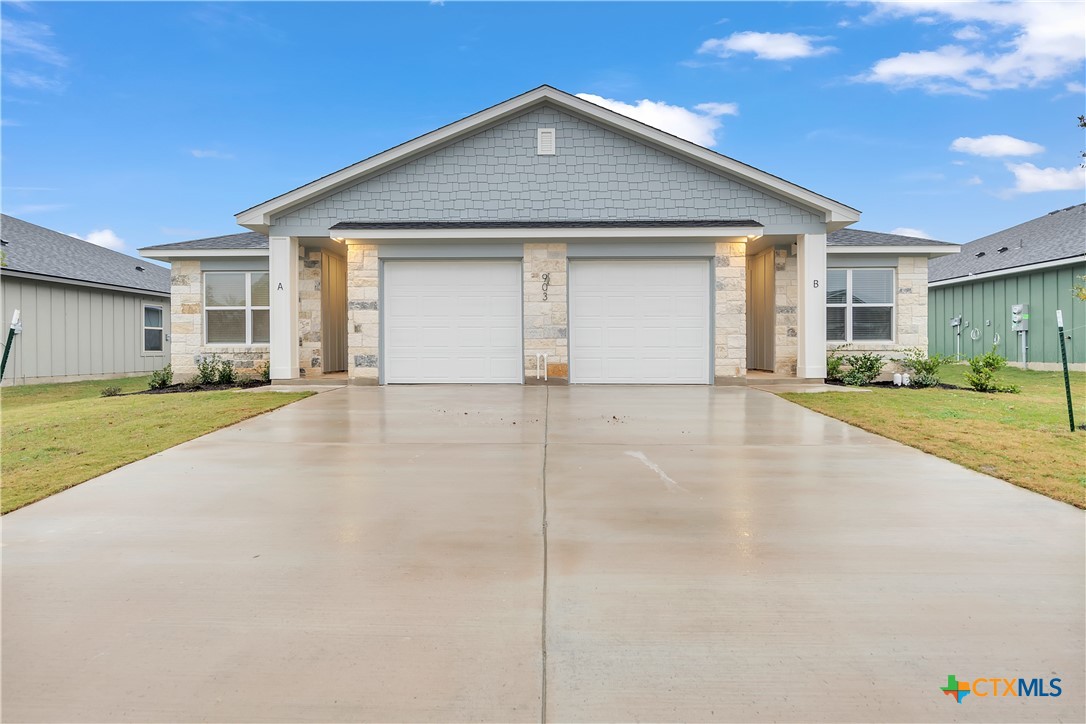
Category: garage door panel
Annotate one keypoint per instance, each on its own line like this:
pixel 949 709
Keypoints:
pixel 452 321
pixel 640 321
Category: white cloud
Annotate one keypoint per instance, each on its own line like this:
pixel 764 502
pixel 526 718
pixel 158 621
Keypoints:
pixel 1074 87
pixel 209 153
pixel 33 81
pixel 766 46
pixel 968 33
pixel 103 237
pixel 908 231
pixel 974 181
pixel 1036 43
pixel 699 125
pixel 1029 179
pixel 31 40
pixel 997 145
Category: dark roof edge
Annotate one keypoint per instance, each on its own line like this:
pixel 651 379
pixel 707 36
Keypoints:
pixel 82 282
pixel 981 275
pixel 601 224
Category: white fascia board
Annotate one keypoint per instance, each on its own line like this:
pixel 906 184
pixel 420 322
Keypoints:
pixel 687 232
pixel 30 276
pixel 258 217
pixel 167 254
pixel 930 251
pixel 1026 269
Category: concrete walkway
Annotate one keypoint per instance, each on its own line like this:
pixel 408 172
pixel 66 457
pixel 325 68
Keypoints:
pixel 518 553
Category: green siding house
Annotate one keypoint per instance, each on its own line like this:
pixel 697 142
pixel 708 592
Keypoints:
pixel 1038 264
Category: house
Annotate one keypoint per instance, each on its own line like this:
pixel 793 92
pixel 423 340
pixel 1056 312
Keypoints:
pixel 543 237
pixel 86 312
pixel 1038 264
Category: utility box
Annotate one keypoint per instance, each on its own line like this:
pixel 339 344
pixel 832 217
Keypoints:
pixel 1019 317
pixel 956 321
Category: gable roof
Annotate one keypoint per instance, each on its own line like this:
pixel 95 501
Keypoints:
pixel 1057 235
pixel 32 249
pixel 859 237
pixel 259 217
pixel 246 240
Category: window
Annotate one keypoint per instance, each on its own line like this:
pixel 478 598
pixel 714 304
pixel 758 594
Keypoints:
pixel 236 308
pixel 152 329
pixel 860 305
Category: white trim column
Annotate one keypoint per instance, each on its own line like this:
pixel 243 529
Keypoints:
pixel 283 275
pixel 811 354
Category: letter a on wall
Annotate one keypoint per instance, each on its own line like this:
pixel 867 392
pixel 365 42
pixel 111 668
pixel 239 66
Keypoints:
pixel 280 287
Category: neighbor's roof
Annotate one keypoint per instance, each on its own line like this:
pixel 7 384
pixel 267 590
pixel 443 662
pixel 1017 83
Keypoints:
pixel 857 237
pixel 260 216
pixel 247 240
pixel 1054 236
pixel 33 249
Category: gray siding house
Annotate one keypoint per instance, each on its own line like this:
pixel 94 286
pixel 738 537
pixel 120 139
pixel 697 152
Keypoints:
pixel 545 239
pixel 86 312
pixel 1037 263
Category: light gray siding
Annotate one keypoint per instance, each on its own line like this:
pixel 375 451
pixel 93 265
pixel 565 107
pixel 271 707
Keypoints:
pixel 75 332
pixel 497 175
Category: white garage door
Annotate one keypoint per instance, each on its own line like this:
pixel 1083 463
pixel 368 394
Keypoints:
pixel 452 321
pixel 640 321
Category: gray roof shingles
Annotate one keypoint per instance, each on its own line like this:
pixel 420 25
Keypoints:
pixel 247 240
pixel 1057 235
pixel 33 249
pixel 858 237
pixel 579 224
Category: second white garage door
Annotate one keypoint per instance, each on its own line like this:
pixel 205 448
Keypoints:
pixel 640 321
pixel 452 321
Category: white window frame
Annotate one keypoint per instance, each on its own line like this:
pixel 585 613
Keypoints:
pixel 848 305
pixel 143 328
pixel 248 309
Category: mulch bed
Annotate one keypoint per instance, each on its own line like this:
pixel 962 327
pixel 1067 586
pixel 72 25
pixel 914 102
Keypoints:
pixel 185 387
pixel 889 384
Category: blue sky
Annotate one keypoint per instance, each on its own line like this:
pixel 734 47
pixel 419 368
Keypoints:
pixel 133 124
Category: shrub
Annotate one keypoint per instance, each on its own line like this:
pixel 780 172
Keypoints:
pixel 263 372
pixel 982 373
pixel 862 368
pixel 111 391
pixel 161 378
pixel 207 370
pixel 226 374
pixel 834 370
pixel 923 369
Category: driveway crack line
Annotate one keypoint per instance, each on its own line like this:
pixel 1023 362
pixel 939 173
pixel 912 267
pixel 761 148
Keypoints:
pixel 543 639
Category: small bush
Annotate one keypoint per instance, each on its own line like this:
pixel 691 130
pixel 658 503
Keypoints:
pixel 226 374
pixel 982 373
pixel 111 391
pixel 263 372
pixel 923 369
pixel 207 370
pixel 161 378
pixel 862 368
pixel 834 363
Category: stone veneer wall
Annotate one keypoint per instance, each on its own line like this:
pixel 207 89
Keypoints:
pixel 363 316
pixel 910 314
pixel 187 326
pixel 786 336
pixel 730 276
pixel 546 322
pixel 309 311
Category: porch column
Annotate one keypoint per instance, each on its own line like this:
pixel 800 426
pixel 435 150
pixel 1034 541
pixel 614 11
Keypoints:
pixel 811 355
pixel 283 273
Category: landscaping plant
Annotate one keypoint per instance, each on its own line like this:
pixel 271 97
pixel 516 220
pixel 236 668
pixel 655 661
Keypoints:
pixel 226 374
pixel 862 368
pixel 161 378
pixel 923 369
pixel 111 391
pixel 263 371
pixel 207 370
pixel 834 363
pixel 982 372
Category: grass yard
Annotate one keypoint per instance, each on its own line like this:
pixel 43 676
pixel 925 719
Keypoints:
pixel 57 436
pixel 1022 438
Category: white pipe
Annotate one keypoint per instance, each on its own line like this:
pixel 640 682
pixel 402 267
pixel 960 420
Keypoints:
pixel 542 355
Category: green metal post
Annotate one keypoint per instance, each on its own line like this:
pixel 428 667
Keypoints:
pixel 8 343
pixel 1066 377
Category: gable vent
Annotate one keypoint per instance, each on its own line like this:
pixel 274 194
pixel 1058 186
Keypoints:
pixel 545 142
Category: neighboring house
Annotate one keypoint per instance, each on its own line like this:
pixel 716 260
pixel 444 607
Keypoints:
pixel 1038 263
pixel 87 312
pixel 544 225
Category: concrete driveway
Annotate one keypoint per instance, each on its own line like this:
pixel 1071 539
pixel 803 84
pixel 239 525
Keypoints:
pixel 518 553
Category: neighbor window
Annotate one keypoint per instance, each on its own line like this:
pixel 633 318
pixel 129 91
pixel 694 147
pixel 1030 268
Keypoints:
pixel 152 329
pixel 236 307
pixel 860 305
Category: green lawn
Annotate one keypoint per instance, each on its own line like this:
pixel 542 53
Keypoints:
pixel 57 436
pixel 1022 438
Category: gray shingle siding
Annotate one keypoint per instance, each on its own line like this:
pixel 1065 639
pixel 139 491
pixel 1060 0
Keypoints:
pixel 496 175
pixel 1057 235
